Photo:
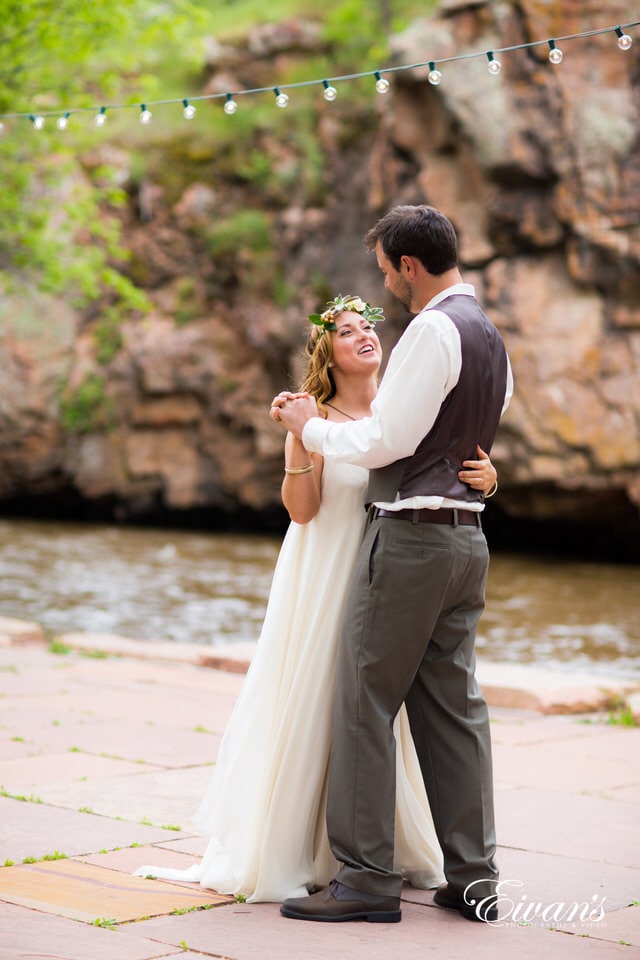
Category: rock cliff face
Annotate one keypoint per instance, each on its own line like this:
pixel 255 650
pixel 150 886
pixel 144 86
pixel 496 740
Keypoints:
pixel 538 168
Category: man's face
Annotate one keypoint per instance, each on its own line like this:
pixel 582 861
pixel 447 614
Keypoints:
pixel 394 280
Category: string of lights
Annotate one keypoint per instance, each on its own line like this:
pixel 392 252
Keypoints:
pixel 330 91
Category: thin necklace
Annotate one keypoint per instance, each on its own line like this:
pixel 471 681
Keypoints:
pixel 337 410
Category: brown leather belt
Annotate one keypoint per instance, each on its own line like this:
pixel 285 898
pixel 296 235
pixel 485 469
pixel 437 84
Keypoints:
pixel 448 515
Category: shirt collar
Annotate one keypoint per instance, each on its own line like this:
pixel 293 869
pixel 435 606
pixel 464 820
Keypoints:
pixel 463 289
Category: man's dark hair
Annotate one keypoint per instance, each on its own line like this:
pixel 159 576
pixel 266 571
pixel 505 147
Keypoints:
pixel 416 231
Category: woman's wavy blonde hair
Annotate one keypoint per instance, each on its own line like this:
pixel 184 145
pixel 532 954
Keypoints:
pixel 318 380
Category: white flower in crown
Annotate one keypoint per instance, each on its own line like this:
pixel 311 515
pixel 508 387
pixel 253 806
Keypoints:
pixel 356 304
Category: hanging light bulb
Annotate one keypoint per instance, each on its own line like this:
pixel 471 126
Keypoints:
pixel 62 122
pixel 230 106
pixel 382 84
pixel 100 118
pixel 555 54
pixel 38 122
pixel 624 40
pixel 282 99
pixel 495 66
pixel 330 93
pixel 189 111
pixel 434 76
pixel 145 115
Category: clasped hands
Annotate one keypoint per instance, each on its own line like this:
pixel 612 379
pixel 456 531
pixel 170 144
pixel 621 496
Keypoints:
pixel 293 410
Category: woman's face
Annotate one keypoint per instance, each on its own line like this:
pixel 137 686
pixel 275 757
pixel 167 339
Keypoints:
pixel 356 348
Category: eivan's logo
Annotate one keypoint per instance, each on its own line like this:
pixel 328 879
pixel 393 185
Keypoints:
pixel 518 908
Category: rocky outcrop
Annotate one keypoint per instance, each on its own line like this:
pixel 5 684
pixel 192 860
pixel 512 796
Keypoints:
pixel 538 168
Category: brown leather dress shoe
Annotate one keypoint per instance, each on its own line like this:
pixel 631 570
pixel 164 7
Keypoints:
pixel 483 911
pixel 337 903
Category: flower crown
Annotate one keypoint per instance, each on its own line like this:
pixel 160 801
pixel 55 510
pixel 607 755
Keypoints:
pixel 327 319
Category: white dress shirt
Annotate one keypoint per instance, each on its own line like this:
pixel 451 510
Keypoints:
pixel 423 368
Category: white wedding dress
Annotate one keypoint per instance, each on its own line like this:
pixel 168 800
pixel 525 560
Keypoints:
pixel 265 807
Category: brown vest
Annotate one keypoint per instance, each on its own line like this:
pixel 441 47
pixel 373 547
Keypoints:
pixel 469 416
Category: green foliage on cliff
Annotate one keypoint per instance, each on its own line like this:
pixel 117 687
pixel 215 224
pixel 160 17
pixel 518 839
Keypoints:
pixel 61 214
pixel 59 226
pixel 87 408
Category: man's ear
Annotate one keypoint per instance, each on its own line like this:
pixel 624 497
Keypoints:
pixel 408 267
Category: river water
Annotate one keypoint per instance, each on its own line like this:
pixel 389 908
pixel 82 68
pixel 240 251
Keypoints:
pixel 154 584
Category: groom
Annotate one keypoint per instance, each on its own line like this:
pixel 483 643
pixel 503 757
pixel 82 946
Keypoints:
pixel 418 589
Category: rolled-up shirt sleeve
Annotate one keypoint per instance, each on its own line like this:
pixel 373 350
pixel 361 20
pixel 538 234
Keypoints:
pixel 422 369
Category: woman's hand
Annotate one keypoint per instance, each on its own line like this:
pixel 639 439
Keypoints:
pixel 480 474
pixel 279 401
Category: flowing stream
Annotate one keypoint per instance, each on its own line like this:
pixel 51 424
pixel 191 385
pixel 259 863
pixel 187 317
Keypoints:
pixel 165 584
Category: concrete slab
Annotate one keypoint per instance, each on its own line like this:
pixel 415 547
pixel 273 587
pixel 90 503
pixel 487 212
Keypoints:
pixel 27 775
pixel 164 798
pixel 579 825
pixel 18 632
pixel 630 794
pixel 82 891
pixel 154 744
pixel 129 859
pixel 256 931
pixel 32 935
pixel 194 845
pixel 30 681
pixel 524 728
pixel 530 687
pixel 12 749
pixel 547 878
pixel 37 830
pixel 115 645
pixel 566 763
pixel 232 657
pixel 155 706
pixel 535 878
pixel 621 926
pixel 140 673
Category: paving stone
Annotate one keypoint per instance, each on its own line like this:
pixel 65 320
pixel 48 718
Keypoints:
pixel 18 632
pixel 12 749
pixel 522 728
pixel 37 830
pixel 188 712
pixel 27 775
pixel 620 926
pixel 32 935
pixel 547 878
pixel 581 825
pixel 629 794
pixel 154 744
pixel 531 687
pixel 567 763
pixel 194 845
pixel 82 891
pixel 255 931
pixel 168 797
pixel 129 859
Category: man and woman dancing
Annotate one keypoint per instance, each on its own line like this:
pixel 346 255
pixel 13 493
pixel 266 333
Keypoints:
pixel 386 621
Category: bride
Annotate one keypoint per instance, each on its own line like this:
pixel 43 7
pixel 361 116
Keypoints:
pixel 265 807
